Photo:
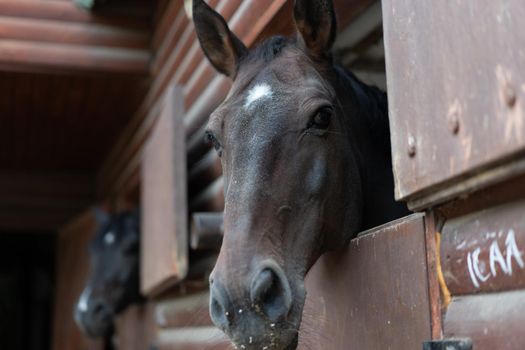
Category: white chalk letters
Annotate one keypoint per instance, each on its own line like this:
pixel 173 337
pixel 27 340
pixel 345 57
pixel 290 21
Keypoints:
pixel 497 261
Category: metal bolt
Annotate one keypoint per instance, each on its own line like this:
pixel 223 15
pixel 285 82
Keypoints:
pixel 510 95
pixel 411 146
pixel 453 123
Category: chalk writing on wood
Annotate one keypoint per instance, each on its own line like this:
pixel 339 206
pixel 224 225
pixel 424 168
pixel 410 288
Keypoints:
pixel 499 259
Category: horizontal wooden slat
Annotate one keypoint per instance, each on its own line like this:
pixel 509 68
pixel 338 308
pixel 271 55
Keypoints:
pixel 195 338
pixel 492 321
pixel 206 230
pixel 484 251
pixel 35 56
pixel 184 311
pixel 67 11
pixel 70 33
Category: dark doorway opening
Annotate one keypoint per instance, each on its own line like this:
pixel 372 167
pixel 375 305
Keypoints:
pixel 26 290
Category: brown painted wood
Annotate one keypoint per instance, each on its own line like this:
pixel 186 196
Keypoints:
pixel 184 311
pixel 371 295
pixel 206 231
pixel 164 258
pixel 42 201
pixel 492 321
pixel 464 108
pixel 37 57
pixel 71 33
pixel 485 251
pixel 135 327
pixel 67 11
pixel 434 292
pixel 72 267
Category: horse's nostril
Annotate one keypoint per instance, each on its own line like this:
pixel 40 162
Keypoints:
pixel 270 292
pixel 220 308
pixel 100 309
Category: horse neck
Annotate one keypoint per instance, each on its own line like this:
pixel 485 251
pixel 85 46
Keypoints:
pixel 369 127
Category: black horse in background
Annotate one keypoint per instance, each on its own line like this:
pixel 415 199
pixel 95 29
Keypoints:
pixel 113 283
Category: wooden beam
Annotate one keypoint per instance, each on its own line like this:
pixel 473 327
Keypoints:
pixel 36 57
pixel 42 202
pixel 60 32
pixel 206 230
pixel 66 11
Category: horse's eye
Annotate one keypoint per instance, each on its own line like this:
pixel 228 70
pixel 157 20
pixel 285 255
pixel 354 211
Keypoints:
pixel 321 119
pixel 210 138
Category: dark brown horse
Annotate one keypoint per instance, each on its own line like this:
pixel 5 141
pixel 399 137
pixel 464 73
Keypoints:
pixel 113 283
pixel 306 162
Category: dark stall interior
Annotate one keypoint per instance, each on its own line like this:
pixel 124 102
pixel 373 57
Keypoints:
pixel 26 290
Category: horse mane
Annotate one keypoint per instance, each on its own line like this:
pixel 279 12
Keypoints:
pixel 372 104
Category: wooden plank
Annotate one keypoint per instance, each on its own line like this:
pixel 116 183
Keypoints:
pixel 71 33
pixel 72 267
pixel 434 292
pixel 492 321
pixel 195 338
pixel 451 120
pixel 206 231
pixel 371 295
pixel 484 251
pixel 42 201
pixel 164 258
pixel 184 311
pixel 135 327
pixel 66 11
pixel 37 57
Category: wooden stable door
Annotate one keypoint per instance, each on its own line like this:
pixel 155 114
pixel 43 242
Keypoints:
pixel 371 295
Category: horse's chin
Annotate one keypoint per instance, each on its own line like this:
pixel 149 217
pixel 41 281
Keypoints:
pixel 100 330
pixel 293 344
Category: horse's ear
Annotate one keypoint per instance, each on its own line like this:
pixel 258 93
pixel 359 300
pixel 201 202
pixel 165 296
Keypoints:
pixel 223 49
pixel 316 25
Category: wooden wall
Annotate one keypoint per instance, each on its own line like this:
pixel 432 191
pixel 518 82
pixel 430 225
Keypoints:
pixel 71 273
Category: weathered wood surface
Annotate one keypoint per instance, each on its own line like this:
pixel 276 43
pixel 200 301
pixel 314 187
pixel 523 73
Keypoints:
pixel 52 36
pixel 42 202
pixel 71 273
pixel 135 327
pixel 184 324
pixel 485 251
pixel 373 294
pixel 492 321
pixel 206 230
pixel 184 311
pixel 164 258
pixel 463 110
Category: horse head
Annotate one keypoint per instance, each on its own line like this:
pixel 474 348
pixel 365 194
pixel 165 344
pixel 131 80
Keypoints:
pixel 113 282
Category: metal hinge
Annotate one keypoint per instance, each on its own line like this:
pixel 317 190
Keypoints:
pixel 448 344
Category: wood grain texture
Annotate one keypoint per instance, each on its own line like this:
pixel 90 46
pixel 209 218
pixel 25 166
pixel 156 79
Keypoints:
pixel 484 251
pixel 164 258
pixel 371 295
pixel 135 328
pixel 71 273
pixel 465 107
pixel 492 321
